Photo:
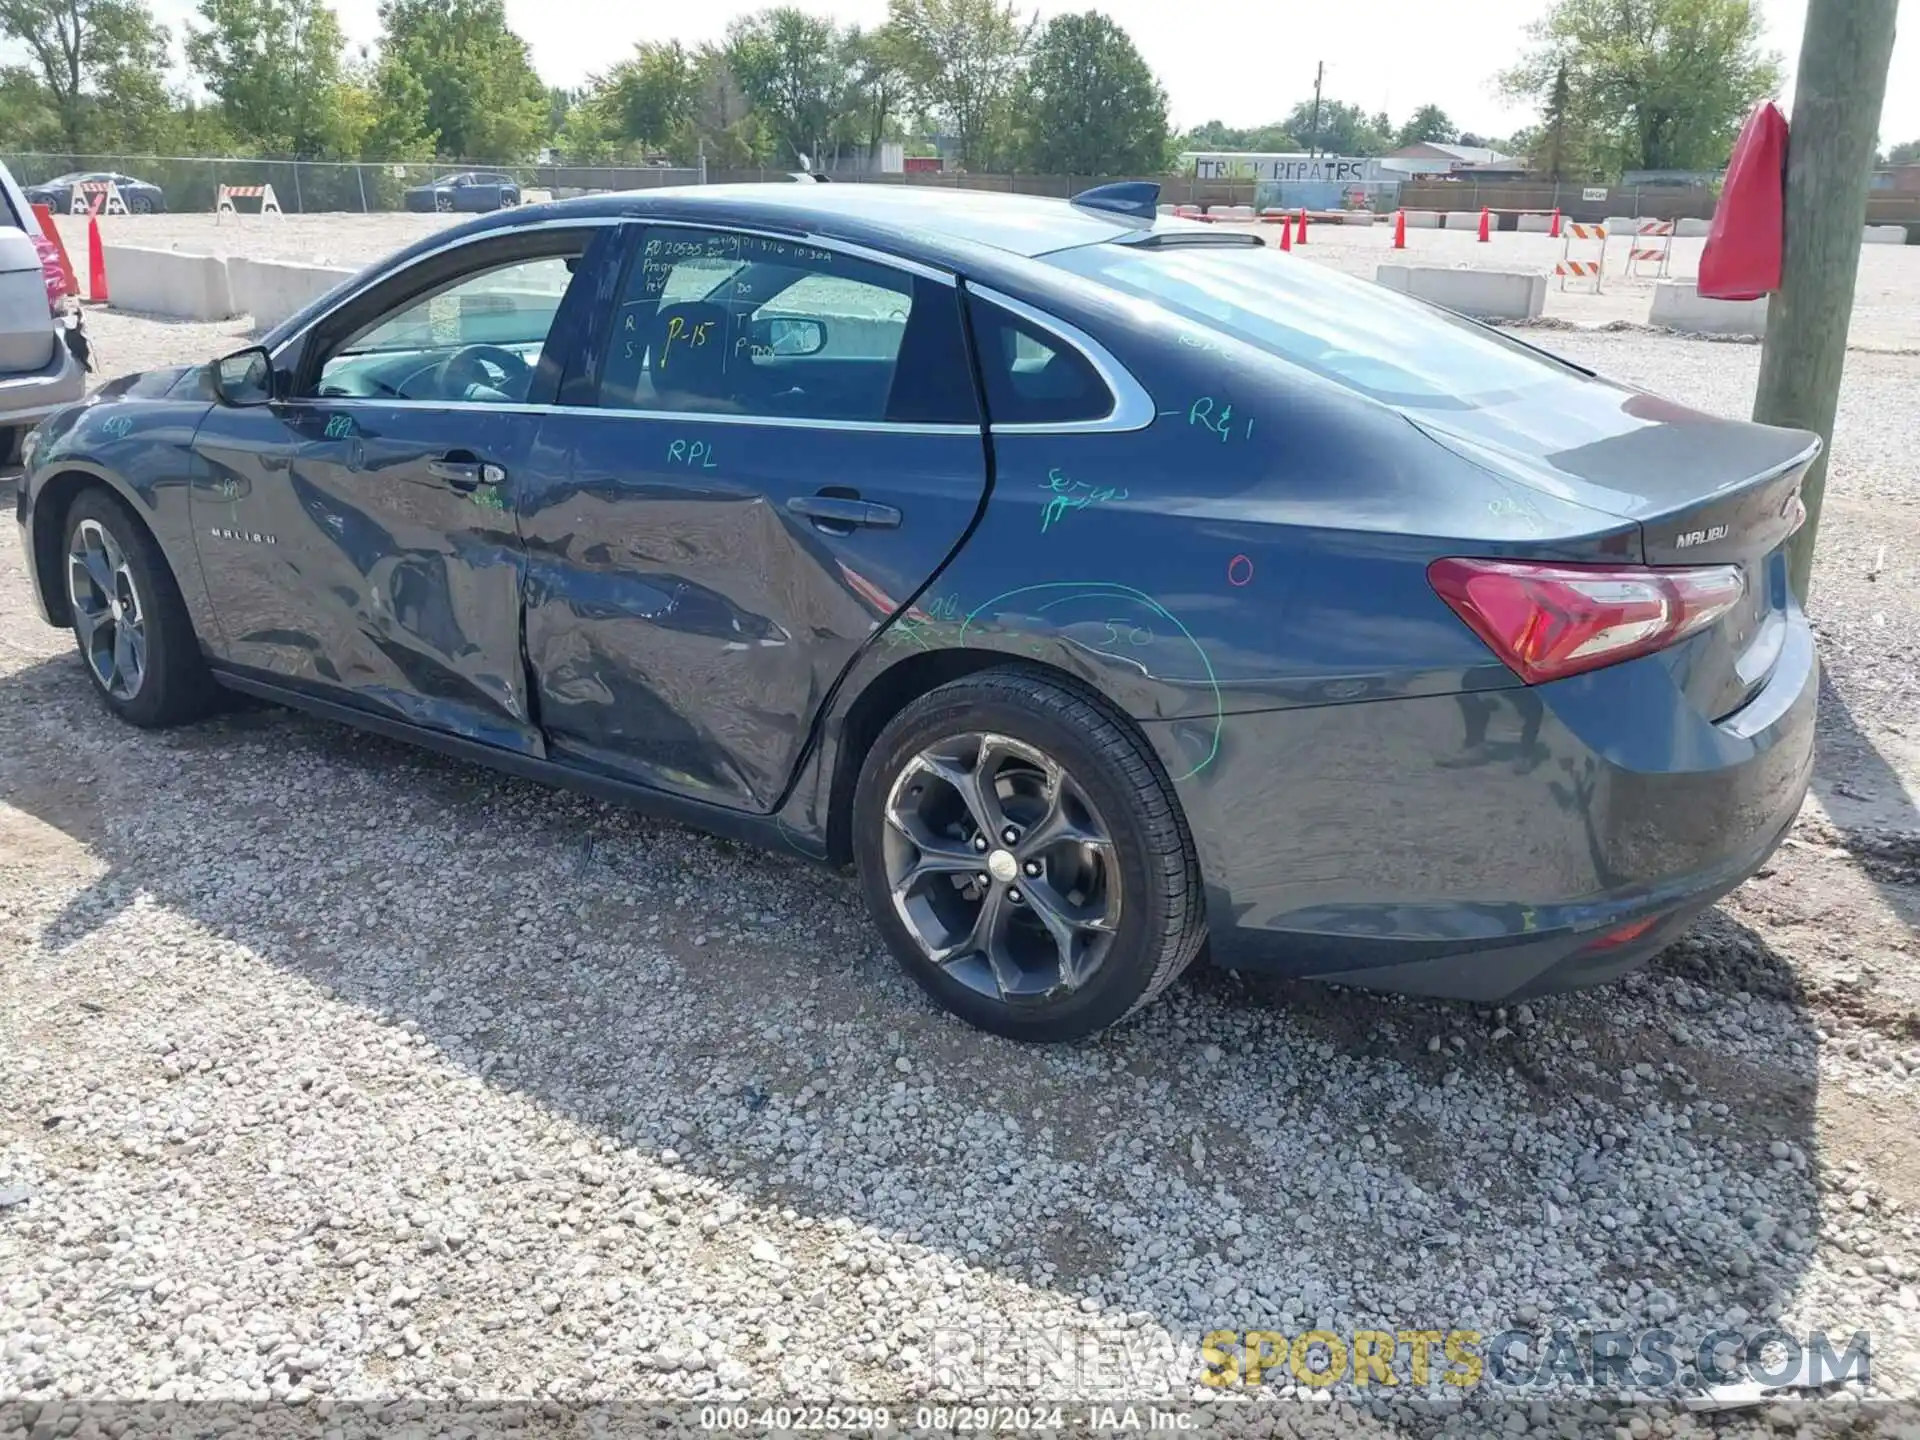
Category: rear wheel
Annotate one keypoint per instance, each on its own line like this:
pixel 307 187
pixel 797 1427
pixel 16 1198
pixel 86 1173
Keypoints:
pixel 1024 855
pixel 140 205
pixel 129 620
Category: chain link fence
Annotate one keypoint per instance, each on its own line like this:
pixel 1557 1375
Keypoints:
pixel 191 183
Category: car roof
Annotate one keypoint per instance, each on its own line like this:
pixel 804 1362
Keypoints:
pixel 913 219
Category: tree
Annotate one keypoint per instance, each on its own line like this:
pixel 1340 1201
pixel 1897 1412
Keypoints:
pixel 399 129
pixel 1554 153
pixel 484 101
pixel 1274 139
pixel 965 59
pixel 645 98
pixel 1905 153
pixel 1427 125
pixel 274 66
pixel 1651 84
pixel 83 50
pixel 1343 130
pixel 876 70
pixel 1092 105
pixel 722 124
pixel 792 68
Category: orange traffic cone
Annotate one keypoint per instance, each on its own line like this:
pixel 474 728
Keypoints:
pixel 96 264
pixel 1484 218
pixel 1286 235
pixel 1303 225
pixel 1554 233
pixel 1399 229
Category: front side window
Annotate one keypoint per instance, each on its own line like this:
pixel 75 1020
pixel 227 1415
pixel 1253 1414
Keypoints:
pixel 718 322
pixel 476 338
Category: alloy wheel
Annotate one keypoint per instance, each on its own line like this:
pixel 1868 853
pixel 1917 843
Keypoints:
pixel 107 612
pixel 1001 867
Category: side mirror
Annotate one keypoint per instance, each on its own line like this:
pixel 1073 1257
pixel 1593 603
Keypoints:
pixel 244 378
pixel 782 336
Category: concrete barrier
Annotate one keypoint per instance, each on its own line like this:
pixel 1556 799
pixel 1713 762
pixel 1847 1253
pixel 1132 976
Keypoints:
pixel 1463 220
pixel 1884 235
pixel 1358 217
pixel 1692 228
pixel 1423 219
pixel 1483 294
pixel 1531 224
pixel 1621 225
pixel 169 283
pixel 271 290
pixel 1678 305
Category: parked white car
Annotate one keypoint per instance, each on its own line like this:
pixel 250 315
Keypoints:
pixel 38 371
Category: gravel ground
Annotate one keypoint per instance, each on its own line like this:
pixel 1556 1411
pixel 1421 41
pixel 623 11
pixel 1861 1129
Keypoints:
pixel 337 1072
pixel 1886 313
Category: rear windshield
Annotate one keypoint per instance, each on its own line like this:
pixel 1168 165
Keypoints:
pixel 1357 334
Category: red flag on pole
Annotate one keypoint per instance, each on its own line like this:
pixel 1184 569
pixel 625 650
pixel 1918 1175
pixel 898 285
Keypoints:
pixel 1748 236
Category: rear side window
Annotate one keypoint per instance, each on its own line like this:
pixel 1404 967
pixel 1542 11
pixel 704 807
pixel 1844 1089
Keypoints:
pixel 721 322
pixel 1032 376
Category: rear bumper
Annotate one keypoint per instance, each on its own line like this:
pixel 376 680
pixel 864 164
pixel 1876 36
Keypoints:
pixel 1489 845
pixel 26 400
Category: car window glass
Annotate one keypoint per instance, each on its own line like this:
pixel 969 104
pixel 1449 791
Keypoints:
pixel 717 322
pixel 1353 332
pixel 1033 377
pixel 477 338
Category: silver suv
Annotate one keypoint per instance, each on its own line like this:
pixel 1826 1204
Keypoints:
pixel 38 373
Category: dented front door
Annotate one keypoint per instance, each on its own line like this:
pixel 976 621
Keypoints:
pixel 350 553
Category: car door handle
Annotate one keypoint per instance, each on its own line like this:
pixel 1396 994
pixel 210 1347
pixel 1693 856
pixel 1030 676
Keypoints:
pixel 463 472
pixel 842 510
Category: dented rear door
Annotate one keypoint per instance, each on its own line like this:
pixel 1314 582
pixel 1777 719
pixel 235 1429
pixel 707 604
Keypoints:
pixel 771 444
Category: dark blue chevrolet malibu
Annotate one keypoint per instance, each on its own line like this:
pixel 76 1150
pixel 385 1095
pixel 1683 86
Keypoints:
pixel 1103 587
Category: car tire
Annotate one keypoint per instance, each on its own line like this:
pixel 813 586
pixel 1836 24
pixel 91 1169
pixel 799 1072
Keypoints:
pixel 140 205
pixel 443 204
pixel 1125 910
pixel 169 683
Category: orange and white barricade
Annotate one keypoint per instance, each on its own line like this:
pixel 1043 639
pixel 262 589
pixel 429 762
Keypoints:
pixel 1652 245
pixel 269 203
pixel 96 197
pixel 1593 267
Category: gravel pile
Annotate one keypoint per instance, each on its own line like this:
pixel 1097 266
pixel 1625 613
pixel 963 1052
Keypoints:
pixel 336 1073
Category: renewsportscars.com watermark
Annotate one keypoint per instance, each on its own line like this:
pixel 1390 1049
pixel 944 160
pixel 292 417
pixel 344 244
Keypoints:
pixel 1455 1361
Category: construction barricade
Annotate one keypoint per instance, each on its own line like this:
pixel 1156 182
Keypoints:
pixel 96 197
pixel 1583 267
pixel 1652 245
pixel 223 205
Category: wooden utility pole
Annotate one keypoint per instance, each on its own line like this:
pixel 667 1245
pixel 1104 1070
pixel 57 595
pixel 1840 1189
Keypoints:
pixel 1319 74
pixel 1837 96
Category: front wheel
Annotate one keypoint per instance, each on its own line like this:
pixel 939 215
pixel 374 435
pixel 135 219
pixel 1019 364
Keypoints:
pixel 1023 853
pixel 131 625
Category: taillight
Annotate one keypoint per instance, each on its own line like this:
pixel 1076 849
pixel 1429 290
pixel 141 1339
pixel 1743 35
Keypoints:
pixel 1550 621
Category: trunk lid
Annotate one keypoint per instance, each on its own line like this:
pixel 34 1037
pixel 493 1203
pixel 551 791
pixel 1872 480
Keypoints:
pixel 1704 491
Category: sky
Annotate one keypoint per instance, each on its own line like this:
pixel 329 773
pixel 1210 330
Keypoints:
pixel 1241 61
